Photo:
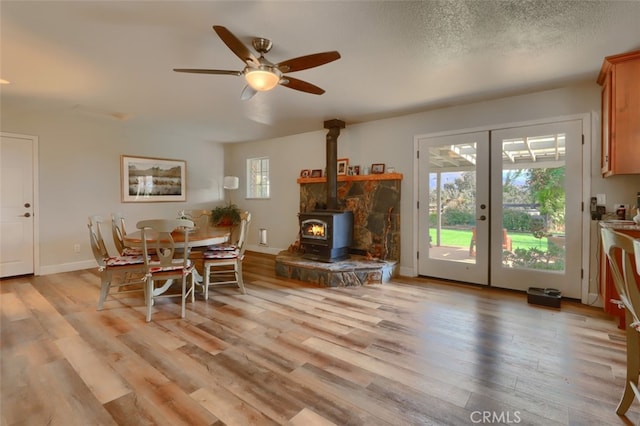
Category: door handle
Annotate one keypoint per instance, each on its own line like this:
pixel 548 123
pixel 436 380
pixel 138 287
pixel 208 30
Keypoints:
pixel 483 217
pixel 27 214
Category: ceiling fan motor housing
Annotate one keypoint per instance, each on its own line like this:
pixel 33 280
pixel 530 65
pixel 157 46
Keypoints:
pixel 262 45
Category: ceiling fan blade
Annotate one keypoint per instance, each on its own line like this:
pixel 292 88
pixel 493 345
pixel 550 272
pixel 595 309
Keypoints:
pixel 303 86
pixel 201 71
pixel 308 61
pixel 235 45
pixel 247 93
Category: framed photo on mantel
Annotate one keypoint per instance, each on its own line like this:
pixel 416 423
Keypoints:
pixel 343 163
pixel 377 168
pixel 149 180
pixel 353 170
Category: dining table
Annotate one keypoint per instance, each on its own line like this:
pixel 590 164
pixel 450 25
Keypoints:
pixel 199 237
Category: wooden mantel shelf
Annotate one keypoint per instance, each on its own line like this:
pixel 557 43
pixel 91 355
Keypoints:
pixel 345 178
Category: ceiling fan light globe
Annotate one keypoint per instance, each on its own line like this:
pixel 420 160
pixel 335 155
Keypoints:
pixel 261 80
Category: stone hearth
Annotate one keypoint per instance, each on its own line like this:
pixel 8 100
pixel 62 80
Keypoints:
pixel 356 271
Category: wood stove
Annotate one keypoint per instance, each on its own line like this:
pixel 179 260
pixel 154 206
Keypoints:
pixel 325 235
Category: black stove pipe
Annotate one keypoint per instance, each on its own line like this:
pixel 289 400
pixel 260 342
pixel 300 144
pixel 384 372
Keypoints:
pixel 334 127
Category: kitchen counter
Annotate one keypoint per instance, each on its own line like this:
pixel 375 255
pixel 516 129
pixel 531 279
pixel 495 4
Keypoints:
pixel 625 225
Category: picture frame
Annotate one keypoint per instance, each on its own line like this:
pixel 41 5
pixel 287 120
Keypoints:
pixel 305 173
pixel 353 170
pixel 343 163
pixel 377 168
pixel 316 173
pixel 151 180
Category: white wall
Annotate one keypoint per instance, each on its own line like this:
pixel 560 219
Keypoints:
pixel 391 141
pixel 79 168
pixel 79 175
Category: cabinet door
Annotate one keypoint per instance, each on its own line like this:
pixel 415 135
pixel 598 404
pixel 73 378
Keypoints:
pixel 624 156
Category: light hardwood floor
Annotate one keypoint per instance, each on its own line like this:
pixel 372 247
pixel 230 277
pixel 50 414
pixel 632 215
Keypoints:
pixel 410 352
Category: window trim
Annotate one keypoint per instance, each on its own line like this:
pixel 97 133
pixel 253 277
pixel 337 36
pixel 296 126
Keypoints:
pixel 250 184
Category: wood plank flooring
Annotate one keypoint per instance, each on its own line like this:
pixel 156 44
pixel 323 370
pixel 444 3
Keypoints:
pixel 410 352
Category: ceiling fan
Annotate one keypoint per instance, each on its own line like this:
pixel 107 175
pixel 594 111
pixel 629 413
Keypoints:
pixel 263 75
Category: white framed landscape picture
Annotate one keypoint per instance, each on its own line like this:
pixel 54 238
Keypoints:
pixel 145 179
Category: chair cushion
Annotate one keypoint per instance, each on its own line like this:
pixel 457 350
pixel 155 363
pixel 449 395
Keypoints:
pixel 221 254
pixel 222 247
pixel 154 269
pixel 124 260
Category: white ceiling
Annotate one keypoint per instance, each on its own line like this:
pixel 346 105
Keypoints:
pixel 115 58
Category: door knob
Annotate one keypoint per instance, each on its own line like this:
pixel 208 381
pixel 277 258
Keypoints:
pixel 483 217
pixel 27 214
pixel 27 205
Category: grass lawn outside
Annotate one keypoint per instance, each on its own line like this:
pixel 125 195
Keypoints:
pixel 462 238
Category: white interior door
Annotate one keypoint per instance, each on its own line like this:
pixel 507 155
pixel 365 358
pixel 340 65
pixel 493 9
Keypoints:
pixel 16 205
pixel 453 175
pixel 543 162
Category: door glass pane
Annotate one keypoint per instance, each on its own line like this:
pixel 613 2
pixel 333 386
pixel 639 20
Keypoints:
pixel 452 202
pixel 533 202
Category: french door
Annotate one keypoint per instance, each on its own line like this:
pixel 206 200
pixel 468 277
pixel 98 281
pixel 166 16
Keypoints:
pixel 504 207
pixel 453 187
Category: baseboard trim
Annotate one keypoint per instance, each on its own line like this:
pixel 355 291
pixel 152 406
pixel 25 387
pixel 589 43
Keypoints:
pixel 407 272
pixel 67 267
pixel 264 249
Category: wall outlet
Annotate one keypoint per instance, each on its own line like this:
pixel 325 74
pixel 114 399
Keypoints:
pixel 262 237
pixel 76 248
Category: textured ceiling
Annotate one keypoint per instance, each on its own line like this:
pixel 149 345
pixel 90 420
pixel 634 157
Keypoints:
pixel 115 58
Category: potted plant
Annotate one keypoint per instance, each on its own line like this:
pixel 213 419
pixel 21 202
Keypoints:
pixel 227 215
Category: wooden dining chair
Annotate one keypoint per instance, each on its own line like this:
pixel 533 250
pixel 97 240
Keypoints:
pixel 118 231
pixel 223 263
pixel 170 260
pixel 121 272
pixel 636 248
pixel 619 249
pixel 507 243
pixel 201 217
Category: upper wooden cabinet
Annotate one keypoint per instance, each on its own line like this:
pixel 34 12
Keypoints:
pixel 620 81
